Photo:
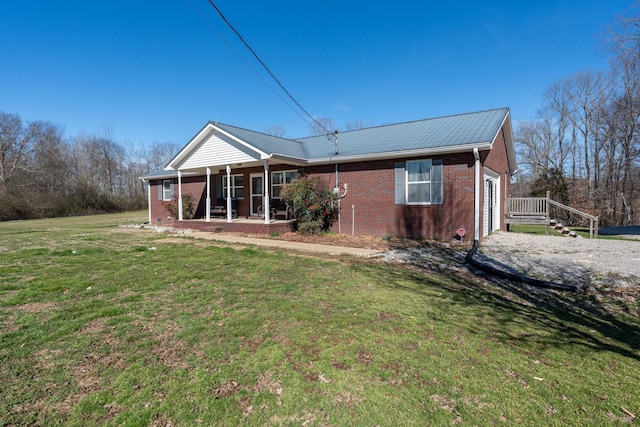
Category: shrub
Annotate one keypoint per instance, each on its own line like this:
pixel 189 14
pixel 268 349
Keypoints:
pixel 313 203
pixel 188 207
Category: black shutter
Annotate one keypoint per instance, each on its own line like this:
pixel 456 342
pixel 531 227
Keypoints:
pixel 399 172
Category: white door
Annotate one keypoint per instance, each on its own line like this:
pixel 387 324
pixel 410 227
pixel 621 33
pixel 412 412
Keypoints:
pixel 491 211
pixel 257 194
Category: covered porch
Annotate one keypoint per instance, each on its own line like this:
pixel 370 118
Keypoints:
pixel 237 177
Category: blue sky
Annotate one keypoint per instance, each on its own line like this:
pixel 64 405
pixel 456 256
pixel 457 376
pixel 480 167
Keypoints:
pixel 157 71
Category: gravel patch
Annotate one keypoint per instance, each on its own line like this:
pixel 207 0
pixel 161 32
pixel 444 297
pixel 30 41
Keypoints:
pixel 564 259
pixel 603 270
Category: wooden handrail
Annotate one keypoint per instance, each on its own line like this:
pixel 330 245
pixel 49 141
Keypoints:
pixel 539 206
pixel 572 210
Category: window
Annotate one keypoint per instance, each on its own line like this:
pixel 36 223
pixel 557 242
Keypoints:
pixel 237 186
pixel 419 182
pixel 279 179
pixel 167 189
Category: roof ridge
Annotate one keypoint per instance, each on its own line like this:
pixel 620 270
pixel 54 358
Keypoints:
pixel 216 123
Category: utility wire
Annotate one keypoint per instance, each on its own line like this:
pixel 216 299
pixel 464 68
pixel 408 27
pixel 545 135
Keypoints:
pixel 265 66
pixel 204 18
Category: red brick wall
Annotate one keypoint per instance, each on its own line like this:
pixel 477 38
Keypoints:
pixel 369 207
pixel 497 161
pixel 371 196
pixel 195 186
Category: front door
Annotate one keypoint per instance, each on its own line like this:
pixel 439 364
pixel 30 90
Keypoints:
pixel 491 210
pixel 257 194
pixel 491 204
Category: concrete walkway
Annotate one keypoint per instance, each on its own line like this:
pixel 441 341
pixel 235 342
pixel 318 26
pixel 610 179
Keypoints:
pixel 285 244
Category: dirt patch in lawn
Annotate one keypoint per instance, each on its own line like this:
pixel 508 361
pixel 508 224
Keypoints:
pixel 37 307
pixel 341 240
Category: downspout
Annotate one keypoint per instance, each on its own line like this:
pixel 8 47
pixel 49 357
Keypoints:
pixel 180 218
pixel 336 190
pixel 476 220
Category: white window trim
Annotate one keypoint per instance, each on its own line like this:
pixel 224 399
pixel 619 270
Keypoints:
pixel 408 183
pixel 166 191
pixel 234 187
pixel 430 182
pixel 284 175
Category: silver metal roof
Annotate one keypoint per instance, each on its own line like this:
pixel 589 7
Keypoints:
pixel 459 130
pixel 266 143
pixel 450 133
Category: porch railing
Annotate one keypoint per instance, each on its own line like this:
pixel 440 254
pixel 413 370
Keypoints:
pixel 537 209
pixel 528 206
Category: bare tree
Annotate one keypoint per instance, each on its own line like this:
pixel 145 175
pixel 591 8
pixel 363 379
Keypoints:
pixel 160 154
pixel 355 124
pixel 276 130
pixel 541 145
pixel 578 99
pixel 17 142
pixel 322 126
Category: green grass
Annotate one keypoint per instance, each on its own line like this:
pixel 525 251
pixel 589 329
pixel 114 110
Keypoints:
pixel 542 230
pixel 98 329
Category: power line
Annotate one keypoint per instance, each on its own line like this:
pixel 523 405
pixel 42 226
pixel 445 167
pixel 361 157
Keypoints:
pixel 204 18
pixel 265 66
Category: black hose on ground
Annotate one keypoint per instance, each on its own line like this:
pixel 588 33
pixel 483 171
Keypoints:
pixel 514 277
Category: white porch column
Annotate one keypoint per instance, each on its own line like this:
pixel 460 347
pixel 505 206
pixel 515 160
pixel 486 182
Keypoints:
pixel 208 203
pixel 149 197
pixel 180 218
pixel 229 213
pixel 267 209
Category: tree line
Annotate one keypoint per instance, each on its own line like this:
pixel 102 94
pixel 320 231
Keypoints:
pixel 45 174
pixel 584 143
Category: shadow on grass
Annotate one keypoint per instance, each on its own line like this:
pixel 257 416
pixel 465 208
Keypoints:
pixel 571 319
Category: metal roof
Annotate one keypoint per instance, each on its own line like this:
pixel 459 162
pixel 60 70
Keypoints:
pixel 266 143
pixel 460 130
pixel 442 134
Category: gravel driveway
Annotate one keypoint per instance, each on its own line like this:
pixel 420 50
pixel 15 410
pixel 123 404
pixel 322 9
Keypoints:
pixel 565 259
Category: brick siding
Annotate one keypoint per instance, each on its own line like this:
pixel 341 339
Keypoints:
pixel 369 207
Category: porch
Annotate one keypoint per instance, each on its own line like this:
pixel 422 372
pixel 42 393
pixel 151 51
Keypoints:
pixel 237 225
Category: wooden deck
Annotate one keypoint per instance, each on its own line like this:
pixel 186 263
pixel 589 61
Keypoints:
pixel 536 211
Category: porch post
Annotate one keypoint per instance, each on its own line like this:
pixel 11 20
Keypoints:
pixel 208 205
pixel 229 213
pixel 267 210
pixel 149 197
pixel 180 218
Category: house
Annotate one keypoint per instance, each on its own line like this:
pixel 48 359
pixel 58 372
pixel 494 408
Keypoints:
pixel 433 179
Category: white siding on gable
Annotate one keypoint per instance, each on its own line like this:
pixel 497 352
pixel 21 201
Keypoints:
pixel 218 150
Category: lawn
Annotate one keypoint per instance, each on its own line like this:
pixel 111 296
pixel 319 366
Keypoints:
pixel 101 325
pixel 542 230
